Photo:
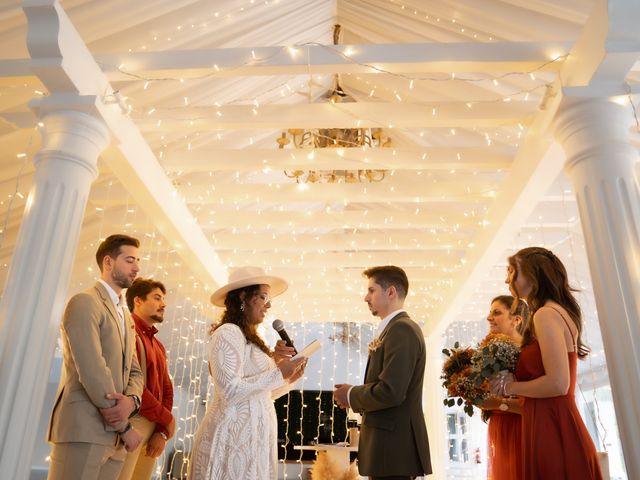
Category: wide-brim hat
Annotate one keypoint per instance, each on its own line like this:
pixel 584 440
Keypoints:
pixel 245 276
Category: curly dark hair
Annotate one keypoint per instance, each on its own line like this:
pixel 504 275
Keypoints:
pixel 141 287
pixel 549 282
pixel 234 314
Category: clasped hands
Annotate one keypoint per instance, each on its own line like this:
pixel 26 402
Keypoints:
pixel 118 414
pixel 499 384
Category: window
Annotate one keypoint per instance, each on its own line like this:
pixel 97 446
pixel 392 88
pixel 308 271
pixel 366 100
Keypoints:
pixel 458 429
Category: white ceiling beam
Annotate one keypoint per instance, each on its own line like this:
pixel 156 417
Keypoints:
pixel 332 59
pixel 339 115
pixel 384 192
pixel 402 218
pixel 436 261
pixel 248 159
pixel 396 188
pixel 370 241
pixel 607 47
pixel 64 64
pixel 399 58
pixel 549 226
pixel 436 221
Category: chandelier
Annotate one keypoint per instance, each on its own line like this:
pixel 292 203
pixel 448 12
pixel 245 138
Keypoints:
pixel 339 138
pixel 335 138
pixel 336 176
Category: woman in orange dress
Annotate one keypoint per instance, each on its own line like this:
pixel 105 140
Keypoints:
pixel 504 446
pixel 556 444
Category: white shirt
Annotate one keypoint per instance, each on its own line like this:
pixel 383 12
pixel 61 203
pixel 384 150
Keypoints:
pixel 117 302
pixel 385 321
pixel 381 326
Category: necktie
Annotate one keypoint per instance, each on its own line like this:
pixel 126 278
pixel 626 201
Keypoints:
pixel 121 316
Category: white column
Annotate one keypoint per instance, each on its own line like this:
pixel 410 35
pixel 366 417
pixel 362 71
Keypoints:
pixel 601 164
pixel 38 278
pixel 434 409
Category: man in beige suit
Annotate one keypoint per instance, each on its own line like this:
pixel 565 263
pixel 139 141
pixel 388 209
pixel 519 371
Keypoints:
pixel 101 382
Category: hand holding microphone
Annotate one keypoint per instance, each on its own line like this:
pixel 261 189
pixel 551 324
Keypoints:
pixel 282 351
pixel 291 370
pixel 278 326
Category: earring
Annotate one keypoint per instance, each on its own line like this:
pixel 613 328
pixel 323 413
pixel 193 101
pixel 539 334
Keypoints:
pixel 242 306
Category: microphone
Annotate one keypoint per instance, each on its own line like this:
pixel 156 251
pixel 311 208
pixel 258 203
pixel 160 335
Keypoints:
pixel 278 326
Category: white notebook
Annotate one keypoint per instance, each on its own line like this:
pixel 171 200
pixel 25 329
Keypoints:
pixel 309 350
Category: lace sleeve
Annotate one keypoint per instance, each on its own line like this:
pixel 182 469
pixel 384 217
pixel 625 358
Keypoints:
pixel 282 390
pixel 226 358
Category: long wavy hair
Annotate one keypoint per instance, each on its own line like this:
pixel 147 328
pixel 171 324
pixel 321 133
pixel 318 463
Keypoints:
pixel 234 314
pixel 516 307
pixel 549 282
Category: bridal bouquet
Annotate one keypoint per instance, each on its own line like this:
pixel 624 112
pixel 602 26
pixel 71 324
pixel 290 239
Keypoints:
pixel 466 371
pixel 496 353
pixel 459 378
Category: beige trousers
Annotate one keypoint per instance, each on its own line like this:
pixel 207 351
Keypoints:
pixel 85 461
pixel 138 466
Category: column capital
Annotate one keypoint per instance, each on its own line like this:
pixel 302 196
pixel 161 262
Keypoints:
pixel 590 128
pixel 71 132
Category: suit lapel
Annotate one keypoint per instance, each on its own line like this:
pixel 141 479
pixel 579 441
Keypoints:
pixel 106 299
pixel 386 329
pixel 381 338
pixel 129 342
pixel 366 370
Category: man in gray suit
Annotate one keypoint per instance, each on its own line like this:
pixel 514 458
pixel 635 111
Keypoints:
pixel 101 382
pixel 393 439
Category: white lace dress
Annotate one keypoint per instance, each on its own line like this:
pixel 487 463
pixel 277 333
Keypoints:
pixel 237 439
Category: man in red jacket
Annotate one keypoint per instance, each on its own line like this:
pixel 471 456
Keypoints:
pixel 145 299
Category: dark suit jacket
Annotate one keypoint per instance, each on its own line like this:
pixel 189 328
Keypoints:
pixel 98 358
pixel 393 437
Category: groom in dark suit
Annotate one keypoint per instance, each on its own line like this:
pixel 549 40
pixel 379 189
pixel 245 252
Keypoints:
pixel 393 438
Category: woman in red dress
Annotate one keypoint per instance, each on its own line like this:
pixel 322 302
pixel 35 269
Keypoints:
pixel 504 446
pixel 556 444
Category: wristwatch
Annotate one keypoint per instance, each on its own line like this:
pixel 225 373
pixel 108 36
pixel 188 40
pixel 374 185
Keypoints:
pixel 136 402
pixel 126 429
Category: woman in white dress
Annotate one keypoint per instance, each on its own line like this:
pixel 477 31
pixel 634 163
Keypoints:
pixel 237 439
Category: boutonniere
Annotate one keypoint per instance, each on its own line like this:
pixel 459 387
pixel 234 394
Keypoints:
pixel 374 344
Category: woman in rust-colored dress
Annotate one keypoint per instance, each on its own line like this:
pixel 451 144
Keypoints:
pixel 504 439
pixel 556 443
